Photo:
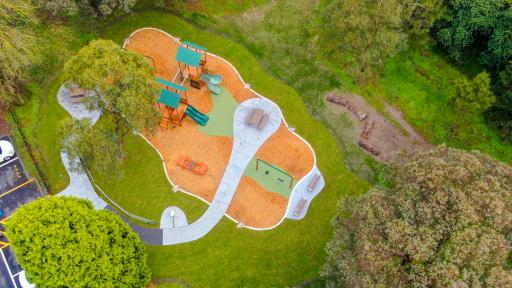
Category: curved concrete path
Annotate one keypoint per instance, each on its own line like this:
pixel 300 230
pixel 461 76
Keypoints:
pixel 79 184
pixel 173 217
pixel 247 141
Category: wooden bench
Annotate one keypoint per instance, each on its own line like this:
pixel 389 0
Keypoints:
pixel 313 182
pixel 77 94
pixel 300 206
pixel 258 118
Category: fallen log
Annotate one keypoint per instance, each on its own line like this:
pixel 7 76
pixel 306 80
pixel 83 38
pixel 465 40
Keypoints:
pixel 336 99
pixel 367 130
pixel 368 147
pixel 359 114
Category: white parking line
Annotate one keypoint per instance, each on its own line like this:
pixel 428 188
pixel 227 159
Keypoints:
pixel 8 268
pixel 13 159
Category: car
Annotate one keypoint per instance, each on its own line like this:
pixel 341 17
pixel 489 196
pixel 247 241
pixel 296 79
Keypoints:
pixel 6 150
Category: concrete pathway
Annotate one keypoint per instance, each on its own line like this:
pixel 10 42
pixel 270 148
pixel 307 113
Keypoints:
pixel 79 184
pixel 173 217
pixel 247 141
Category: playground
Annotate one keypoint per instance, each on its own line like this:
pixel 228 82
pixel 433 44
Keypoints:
pixel 198 99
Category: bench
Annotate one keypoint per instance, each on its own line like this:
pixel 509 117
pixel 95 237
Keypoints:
pixel 77 94
pixel 313 182
pixel 258 118
pixel 300 206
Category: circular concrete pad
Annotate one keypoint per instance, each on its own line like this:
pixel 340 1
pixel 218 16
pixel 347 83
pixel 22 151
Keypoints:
pixel 173 217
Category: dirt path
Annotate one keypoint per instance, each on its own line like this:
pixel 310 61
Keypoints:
pixel 391 139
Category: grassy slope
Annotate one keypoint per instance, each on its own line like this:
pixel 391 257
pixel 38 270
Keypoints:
pixel 40 120
pixel 286 255
pixel 419 83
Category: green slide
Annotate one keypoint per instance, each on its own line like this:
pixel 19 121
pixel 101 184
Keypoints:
pixel 197 116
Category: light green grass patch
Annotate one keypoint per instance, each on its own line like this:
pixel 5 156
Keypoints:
pixel 271 177
pixel 221 115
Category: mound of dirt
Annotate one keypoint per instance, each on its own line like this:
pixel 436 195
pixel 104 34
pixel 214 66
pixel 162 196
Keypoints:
pixel 387 138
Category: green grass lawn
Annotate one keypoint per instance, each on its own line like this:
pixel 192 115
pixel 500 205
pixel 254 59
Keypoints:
pixel 140 185
pixel 285 256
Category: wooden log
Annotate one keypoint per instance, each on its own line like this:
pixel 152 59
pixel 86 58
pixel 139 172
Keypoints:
pixel 367 130
pixel 368 147
pixel 336 99
pixel 359 114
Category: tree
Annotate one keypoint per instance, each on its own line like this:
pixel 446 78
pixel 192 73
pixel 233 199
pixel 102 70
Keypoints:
pixel 501 113
pixel 124 84
pixel 420 15
pixel 65 242
pixel 363 33
pixel 473 97
pixel 81 140
pixel 484 26
pixel 445 222
pixel 18 47
pixel 97 8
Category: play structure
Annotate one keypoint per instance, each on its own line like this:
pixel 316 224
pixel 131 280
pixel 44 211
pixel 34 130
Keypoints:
pixel 175 105
pixel 192 65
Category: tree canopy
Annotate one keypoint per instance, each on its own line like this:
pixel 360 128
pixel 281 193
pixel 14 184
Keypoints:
pixel 65 242
pixel 99 8
pixel 473 97
pixel 445 222
pixel 363 33
pixel 123 81
pixel 501 113
pixel 80 139
pixel 18 46
pixel 481 25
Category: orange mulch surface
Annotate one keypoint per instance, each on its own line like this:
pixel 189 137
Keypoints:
pixel 252 204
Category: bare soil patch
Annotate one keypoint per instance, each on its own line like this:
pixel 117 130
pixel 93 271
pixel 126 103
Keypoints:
pixel 389 139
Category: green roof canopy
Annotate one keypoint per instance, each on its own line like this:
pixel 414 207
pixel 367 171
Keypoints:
pixel 188 57
pixel 169 98
pixel 170 84
pixel 194 45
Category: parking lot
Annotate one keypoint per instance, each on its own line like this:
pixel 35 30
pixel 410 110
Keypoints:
pixel 16 189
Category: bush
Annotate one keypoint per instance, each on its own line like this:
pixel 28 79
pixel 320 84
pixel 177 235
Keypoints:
pixel 65 242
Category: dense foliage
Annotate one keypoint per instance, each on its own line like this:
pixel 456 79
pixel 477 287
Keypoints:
pixel 97 8
pixel 18 46
pixel 477 25
pixel 501 113
pixel 444 223
pixel 82 140
pixel 364 33
pixel 65 242
pixel 124 84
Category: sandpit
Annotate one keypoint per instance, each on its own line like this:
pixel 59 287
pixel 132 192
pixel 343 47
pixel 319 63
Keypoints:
pixel 252 204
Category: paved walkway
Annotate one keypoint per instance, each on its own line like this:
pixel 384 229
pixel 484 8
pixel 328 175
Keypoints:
pixel 247 141
pixel 79 184
pixel 173 217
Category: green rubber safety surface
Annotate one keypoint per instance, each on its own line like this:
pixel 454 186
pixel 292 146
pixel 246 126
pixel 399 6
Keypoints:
pixel 271 177
pixel 221 115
